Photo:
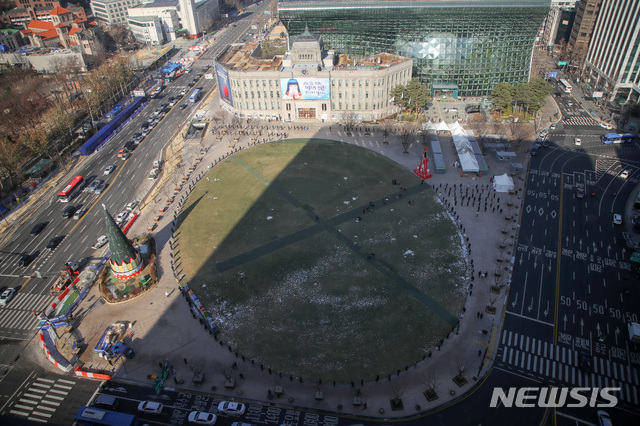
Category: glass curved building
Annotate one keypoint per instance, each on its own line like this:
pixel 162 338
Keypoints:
pixel 461 46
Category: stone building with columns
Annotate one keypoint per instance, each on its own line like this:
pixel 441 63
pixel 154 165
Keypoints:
pixel 307 83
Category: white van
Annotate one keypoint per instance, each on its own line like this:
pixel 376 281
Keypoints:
pixel 451 110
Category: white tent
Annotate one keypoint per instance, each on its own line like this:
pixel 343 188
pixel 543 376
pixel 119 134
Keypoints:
pixel 442 127
pixel 503 183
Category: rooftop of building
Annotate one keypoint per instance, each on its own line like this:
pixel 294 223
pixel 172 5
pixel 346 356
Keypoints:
pixel 369 4
pixel 245 57
pixel 156 3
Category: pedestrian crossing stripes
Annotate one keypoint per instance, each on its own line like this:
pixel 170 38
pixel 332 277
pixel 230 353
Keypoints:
pixel 580 121
pixel 18 314
pixel 41 400
pixel 563 364
pixel 603 166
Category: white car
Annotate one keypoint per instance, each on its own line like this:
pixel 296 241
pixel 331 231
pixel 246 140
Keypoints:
pixel 183 92
pixel 577 141
pixel 232 408
pixel 7 295
pixel 150 407
pixel 624 174
pixel 109 169
pixel 617 219
pixel 132 205
pixel 202 418
pixel 122 216
pixel 606 126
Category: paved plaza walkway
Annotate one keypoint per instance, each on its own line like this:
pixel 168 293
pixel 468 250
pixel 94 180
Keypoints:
pixel 164 328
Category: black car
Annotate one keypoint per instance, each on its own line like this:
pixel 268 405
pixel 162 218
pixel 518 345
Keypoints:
pixel 585 363
pixel 25 260
pixel 183 106
pixel 37 228
pixel 130 146
pixel 54 242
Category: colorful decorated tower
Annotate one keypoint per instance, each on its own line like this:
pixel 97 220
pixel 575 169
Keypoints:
pixel 125 260
pixel 422 170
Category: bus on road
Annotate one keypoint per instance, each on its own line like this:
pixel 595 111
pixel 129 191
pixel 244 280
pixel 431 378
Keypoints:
pixel 616 138
pixel 71 190
pixel 195 95
pixel 96 416
pixel 565 86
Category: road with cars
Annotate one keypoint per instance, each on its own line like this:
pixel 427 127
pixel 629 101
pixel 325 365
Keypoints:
pixel 59 240
pixel 573 288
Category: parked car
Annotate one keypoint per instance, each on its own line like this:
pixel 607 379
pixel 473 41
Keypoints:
pixel 232 408
pixel 95 184
pixel 109 169
pixel 122 216
pixel 183 92
pixel 102 240
pixel 150 407
pixel 202 418
pixel 37 228
pixel 25 260
pixel 534 150
pixel 585 363
pixel 7 295
pixel 617 219
pixel 544 133
pixel 54 242
pixel 79 213
pixel 606 126
pixel 108 402
pixel 68 212
pixel 604 419
pixel 183 106
pixel 132 205
pixel 553 126
pixel 154 173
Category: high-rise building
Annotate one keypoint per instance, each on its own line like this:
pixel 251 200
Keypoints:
pixel 465 46
pixel 112 12
pixel 557 26
pixel 612 64
pixel 586 14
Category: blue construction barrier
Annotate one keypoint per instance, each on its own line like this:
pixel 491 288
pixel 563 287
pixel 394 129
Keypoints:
pixel 110 128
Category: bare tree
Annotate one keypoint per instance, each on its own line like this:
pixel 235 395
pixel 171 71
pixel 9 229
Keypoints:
pixel 387 128
pixel 405 133
pixel 429 379
pixel 349 120
pixel 461 365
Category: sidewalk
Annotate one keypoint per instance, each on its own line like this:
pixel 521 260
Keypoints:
pixel 164 329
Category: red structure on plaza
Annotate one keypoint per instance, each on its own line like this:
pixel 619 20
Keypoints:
pixel 422 169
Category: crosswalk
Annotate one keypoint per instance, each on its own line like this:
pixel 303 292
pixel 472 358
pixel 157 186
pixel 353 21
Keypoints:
pixel 18 314
pixel 41 400
pixel 562 364
pixel 580 121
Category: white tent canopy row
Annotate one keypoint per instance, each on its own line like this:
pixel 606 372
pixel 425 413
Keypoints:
pixel 466 156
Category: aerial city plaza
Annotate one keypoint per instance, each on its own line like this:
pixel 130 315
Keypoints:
pixel 320 213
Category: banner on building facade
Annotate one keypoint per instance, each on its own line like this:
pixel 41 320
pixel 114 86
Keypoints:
pixel 305 88
pixel 224 84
